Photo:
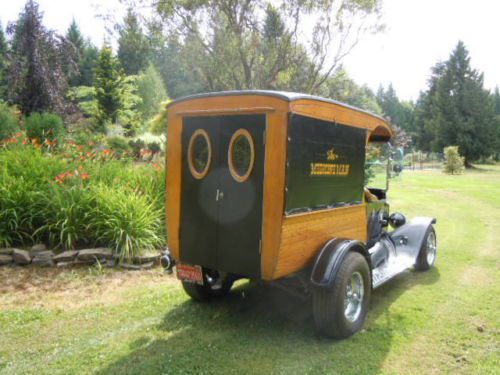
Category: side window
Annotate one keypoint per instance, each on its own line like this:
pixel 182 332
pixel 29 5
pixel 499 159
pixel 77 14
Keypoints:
pixel 199 154
pixel 241 155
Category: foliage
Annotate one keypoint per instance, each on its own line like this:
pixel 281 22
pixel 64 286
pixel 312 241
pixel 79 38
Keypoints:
pixel 400 138
pixel 243 44
pixel 129 116
pixel 456 109
pixel 8 121
pixel 44 127
pixel 19 209
pixel 151 90
pixel 3 64
pixel 66 213
pixel 133 46
pixel 108 81
pixel 119 145
pixel 75 39
pixel 78 195
pixel 399 112
pixel 85 98
pixel 154 147
pixel 137 145
pixel 126 221
pixel 36 55
pixel 342 88
pixel 85 57
pixel 159 122
pixel 454 163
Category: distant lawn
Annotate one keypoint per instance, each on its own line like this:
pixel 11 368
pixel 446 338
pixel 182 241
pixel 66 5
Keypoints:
pixel 443 321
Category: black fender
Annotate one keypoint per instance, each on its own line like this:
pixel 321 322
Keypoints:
pixel 329 258
pixel 409 237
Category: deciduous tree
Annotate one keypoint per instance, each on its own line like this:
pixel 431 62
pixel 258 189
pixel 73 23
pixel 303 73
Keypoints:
pixel 259 44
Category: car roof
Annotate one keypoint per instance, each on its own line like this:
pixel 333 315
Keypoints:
pixel 284 95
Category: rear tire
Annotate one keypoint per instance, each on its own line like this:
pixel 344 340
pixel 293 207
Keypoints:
pixel 340 311
pixel 427 255
pixel 214 286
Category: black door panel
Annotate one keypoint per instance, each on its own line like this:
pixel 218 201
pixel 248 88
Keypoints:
pixel 221 218
pixel 240 210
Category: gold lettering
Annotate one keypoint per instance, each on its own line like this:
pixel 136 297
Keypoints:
pixel 328 169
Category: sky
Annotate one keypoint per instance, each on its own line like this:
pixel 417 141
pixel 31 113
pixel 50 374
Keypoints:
pixel 418 34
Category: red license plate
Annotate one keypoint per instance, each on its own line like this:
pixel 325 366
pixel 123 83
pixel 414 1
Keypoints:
pixel 189 273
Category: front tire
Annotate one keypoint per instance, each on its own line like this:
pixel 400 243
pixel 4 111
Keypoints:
pixel 427 255
pixel 340 311
pixel 215 285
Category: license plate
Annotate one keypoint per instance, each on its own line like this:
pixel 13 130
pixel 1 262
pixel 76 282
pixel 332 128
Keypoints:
pixel 192 274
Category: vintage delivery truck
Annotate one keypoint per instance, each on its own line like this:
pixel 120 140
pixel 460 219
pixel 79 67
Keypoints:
pixel 271 186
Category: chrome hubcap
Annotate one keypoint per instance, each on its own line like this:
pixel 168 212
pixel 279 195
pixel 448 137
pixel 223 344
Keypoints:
pixel 353 300
pixel 431 248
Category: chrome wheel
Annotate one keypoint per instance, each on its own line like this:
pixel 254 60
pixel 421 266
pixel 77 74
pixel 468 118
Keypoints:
pixel 353 300
pixel 431 248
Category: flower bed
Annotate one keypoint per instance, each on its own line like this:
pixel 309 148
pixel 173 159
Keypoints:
pixel 69 195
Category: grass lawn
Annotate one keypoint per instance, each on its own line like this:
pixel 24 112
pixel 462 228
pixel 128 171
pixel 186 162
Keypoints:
pixel 446 320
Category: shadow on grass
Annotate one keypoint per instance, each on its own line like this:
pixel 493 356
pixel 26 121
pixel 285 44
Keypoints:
pixel 259 329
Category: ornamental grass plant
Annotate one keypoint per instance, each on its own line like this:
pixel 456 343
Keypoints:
pixel 71 195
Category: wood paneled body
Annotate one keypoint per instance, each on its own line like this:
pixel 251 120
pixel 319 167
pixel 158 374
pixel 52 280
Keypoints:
pixel 288 242
pixel 303 235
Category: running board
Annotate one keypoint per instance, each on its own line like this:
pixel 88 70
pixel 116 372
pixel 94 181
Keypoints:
pixel 391 268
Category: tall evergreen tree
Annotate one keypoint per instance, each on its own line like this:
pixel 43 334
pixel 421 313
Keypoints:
pixel 88 62
pixel 108 83
pixel 496 101
pixel 36 79
pixel 3 65
pixel 76 42
pixel 400 112
pixel 133 46
pixel 457 108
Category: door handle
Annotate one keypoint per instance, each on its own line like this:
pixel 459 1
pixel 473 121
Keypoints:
pixel 219 196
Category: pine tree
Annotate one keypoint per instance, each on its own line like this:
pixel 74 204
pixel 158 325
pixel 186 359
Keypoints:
pixel 3 65
pixel 400 112
pixel 457 110
pixel 496 103
pixel 37 55
pixel 76 42
pixel 90 53
pixel 108 81
pixel 133 46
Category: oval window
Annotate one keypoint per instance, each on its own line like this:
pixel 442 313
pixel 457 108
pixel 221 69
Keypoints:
pixel 241 155
pixel 199 154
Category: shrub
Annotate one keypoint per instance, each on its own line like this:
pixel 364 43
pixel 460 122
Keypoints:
pixel 19 209
pixel 154 147
pixel 124 220
pixel 8 121
pixel 159 122
pixel 44 126
pixel 66 212
pixel 137 145
pixel 453 163
pixel 119 145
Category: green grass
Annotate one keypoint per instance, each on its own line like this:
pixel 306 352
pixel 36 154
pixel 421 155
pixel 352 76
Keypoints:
pixel 442 321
